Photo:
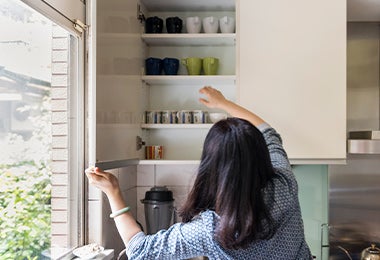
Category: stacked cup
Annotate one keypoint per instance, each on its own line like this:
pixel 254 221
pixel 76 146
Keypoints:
pixel 194 65
pixel 210 24
pixel 155 66
pixel 175 117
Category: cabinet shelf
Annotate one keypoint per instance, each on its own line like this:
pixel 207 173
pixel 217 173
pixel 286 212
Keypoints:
pixel 169 162
pixel 176 126
pixel 190 80
pixel 190 39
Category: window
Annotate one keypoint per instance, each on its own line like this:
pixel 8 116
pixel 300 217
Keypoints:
pixel 41 132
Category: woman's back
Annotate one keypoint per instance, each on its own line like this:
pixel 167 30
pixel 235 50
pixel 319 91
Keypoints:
pixel 198 237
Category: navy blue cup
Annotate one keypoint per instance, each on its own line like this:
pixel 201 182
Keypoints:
pixel 173 25
pixel 153 66
pixel 171 66
pixel 154 25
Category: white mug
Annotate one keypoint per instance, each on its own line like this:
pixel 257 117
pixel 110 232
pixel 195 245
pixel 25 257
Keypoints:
pixel 168 117
pixel 193 24
pixel 227 24
pixel 210 24
pixel 152 117
pixel 185 117
pixel 199 117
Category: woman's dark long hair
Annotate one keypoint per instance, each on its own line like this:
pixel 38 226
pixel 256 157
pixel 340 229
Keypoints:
pixel 235 167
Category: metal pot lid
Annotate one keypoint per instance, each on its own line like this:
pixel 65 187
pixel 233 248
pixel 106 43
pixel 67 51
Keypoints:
pixel 159 194
pixel 373 250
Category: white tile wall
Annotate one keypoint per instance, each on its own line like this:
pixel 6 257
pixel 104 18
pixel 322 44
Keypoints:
pixel 60 192
pixel 57 57
pixel 59 93
pixel 95 221
pixel 60 154
pixel 59 117
pixel 60 141
pixel 59 179
pixel 60 160
pixel 59 68
pixel 59 105
pixel 59 129
pixel 146 175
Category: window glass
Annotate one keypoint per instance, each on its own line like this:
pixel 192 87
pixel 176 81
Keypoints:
pixel 40 104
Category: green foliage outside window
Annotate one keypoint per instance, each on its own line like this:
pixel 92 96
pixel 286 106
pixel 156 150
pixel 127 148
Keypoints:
pixel 25 190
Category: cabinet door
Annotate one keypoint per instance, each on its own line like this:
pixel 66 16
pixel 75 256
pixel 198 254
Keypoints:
pixel 292 72
pixel 115 88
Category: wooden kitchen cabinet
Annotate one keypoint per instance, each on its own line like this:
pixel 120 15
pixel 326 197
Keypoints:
pixel 292 72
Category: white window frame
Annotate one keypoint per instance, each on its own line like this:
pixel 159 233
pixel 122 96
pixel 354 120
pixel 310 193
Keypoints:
pixel 64 13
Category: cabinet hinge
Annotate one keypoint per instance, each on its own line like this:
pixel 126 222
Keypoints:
pixel 80 26
pixel 139 143
pixel 140 14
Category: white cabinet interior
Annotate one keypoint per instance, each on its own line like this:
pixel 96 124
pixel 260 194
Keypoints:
pixel 180 92
pixel 124 92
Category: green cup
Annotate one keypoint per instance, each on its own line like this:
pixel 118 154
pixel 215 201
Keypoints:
pixel 210 65
pixel 193 65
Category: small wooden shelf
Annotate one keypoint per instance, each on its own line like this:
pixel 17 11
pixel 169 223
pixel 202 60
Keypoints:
pixel 176 126
pixel 190 39
pixel 190 80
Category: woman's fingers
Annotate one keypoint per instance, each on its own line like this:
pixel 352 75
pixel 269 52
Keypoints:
pixel 95 175
pixel 89 170
pixel 204 101
pixel 205 91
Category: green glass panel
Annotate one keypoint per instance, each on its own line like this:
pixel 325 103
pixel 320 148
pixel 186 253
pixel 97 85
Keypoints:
pixel 313 196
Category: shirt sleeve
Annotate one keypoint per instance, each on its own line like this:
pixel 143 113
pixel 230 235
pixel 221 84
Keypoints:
pixel 180 241
pixel 279 159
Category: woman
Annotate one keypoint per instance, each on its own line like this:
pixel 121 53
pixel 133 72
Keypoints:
pixel 243 205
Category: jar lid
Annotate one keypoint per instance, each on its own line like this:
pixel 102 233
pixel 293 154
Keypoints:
pixel 373 249
pixel 158 193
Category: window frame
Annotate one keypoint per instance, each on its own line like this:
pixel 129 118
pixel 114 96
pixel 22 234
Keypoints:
pixel 64 13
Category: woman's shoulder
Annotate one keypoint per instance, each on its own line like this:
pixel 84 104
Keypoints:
pixel 208 215
pixel 208 219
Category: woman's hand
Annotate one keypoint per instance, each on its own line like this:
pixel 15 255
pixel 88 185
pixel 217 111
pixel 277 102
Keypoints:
pixel 108 183
pixel 215 98
pixel 105 181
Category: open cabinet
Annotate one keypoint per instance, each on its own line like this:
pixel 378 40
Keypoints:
pixel 273 64
pixel 124 92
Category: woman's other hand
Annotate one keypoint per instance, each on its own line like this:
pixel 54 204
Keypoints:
pixel 214 98
pixel 105 181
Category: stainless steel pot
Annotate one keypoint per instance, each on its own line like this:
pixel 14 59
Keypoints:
pixel 371 253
